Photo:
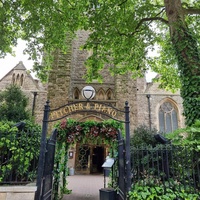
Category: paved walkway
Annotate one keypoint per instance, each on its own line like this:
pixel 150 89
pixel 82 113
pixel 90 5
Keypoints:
pixel 84 187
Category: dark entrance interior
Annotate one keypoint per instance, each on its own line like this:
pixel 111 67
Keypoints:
pixel 97 159
pixel 89 159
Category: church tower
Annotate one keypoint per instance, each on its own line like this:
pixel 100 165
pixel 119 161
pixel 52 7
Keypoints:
pixel 65 84
pixel 66 81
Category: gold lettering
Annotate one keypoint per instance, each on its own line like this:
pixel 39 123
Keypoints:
pixel 100 106
pixel 96 106
pixel 104 109
pixel 114 113
pixel 54 115
pixel 65 110
pixel 51 115
pixel 71 109
pixel 60 113
pixel 80 106
pixel 109 110
pixel 75 107
pixel 87 106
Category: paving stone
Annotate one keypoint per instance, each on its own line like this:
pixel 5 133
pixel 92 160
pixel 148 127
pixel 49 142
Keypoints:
pixel 84 187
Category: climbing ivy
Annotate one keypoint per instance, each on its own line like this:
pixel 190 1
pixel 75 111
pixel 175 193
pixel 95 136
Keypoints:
pixel 71 132
pixel 188 64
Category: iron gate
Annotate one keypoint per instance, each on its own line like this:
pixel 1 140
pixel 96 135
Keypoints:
pixel 121 168
pixel 46 184
pixel 47 149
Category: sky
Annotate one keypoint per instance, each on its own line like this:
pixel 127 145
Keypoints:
pixel 9 62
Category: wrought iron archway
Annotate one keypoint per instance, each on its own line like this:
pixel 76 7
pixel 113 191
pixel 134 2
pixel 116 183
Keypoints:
pixel 88 106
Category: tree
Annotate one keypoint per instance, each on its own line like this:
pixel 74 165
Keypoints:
pixel 13 104
pixel 122 34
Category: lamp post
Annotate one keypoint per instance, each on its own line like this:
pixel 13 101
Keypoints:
pixel 88 92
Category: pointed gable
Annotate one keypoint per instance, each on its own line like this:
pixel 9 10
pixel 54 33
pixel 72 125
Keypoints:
pixel 19 66
pixel 19 76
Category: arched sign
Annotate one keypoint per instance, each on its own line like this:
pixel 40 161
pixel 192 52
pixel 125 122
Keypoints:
pixel 85 106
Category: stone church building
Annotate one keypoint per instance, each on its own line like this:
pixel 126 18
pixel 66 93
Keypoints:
pixel 148 104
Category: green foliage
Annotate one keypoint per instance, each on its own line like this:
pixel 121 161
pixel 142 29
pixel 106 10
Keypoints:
pixel 189 140
pixel 171 191
pixel 187 136
pixel 13 104
pixel 122 36
pixel 187 53
pixel 61 172
pixel 94 132
pixel 18 151
pixel 143 136
pixel 153 181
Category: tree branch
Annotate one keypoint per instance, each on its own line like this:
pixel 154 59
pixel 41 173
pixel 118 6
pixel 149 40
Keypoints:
pixel 148 19
pixel 192 11
pixel 151 19
pixel 140 23
pixel 122 2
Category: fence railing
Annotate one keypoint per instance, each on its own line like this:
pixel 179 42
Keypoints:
pixel 167 166
pixel 19 154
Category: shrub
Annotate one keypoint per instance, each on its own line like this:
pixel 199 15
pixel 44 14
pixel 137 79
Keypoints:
pixel 143 136
pixel 142 191
pixel 187 136
pixel 19 151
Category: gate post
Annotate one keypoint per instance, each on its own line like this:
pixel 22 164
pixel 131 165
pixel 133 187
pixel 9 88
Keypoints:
pixel 42 151
pixel 128 163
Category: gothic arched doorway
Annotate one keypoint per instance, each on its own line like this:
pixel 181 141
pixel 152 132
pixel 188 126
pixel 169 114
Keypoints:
pixel 89 158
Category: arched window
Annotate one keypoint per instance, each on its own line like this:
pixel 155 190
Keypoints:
pixel 109 94
pixel 76 93
pixel 101 94
pixel 17 80
pixel 168 117
pixel 13 79
pixel 21 80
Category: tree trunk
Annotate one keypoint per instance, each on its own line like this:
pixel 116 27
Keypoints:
pixel 187 53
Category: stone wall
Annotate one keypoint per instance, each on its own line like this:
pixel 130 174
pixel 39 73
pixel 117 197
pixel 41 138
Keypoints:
pixel 59 79
pixel 17 192
pixel 125 88
pixel 156 98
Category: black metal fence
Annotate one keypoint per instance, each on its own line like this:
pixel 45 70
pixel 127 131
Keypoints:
pixel 167 166
pixel 19 152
